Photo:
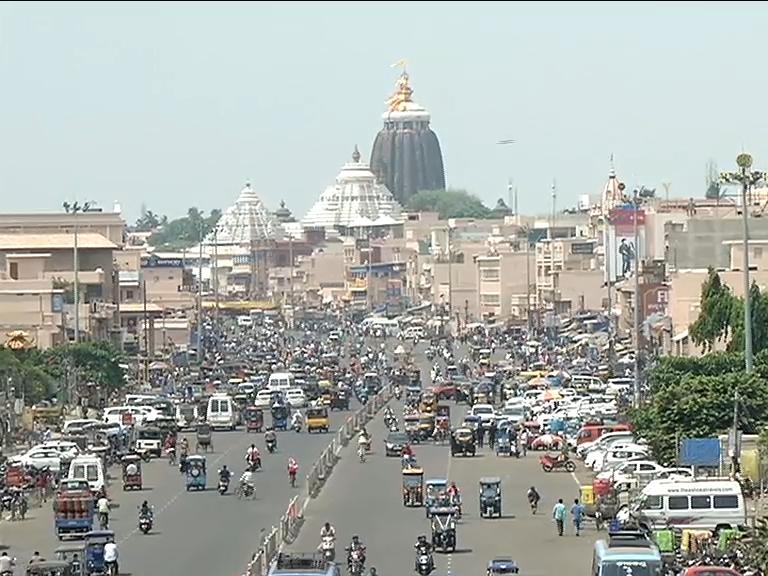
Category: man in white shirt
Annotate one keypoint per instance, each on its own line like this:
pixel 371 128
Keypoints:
pixel 110 556
pixel 102 507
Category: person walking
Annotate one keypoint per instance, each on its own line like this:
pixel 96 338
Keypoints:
pixel 577 511
pixel 558 513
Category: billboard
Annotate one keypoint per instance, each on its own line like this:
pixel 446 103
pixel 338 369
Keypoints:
pixel 619 242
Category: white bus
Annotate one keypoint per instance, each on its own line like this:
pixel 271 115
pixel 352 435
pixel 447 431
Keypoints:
pixel 221 412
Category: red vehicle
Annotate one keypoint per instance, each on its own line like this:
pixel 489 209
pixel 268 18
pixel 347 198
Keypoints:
pixel 710 571
pixel 547 442
pixel 592 432
pixel 550 463
pixel 444 390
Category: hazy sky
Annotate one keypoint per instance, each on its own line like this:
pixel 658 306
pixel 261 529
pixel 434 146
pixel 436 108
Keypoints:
pixel 177 104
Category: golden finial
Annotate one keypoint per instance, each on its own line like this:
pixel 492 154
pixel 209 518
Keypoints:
pixel 18 340
pixel 403 90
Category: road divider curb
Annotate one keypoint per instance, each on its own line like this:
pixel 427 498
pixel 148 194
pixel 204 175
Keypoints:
pixel 290 523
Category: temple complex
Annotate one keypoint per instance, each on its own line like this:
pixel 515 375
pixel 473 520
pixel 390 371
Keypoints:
pixel 356 197
pixel 406 155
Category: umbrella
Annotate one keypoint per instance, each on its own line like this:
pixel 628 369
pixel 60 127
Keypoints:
pixel 551 395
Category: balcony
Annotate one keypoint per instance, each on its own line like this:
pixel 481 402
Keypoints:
pixel 84 277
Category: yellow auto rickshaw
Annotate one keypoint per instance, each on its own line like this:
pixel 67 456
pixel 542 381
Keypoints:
pixel 413 487
pixel 317 420
pixel 428 402
pixel 326 392
pixel 426 426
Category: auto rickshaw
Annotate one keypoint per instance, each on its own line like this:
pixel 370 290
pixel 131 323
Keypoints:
pixel 463 442
pixel 411 427
pixel 93 542
pixel 280 413
pixel 131 472
pixel 443 412
pixel 413 487
pixel 443 528
pixel 317 420
pixel 426 426
pixel 533 430
pixel 204 437
pixel 254 419
pixel 196 473
pixel 490 497
pixel 433 489
pixel 326 392
pixel 412 394
pixel 49 568
pixel 74 555
pixel 428 402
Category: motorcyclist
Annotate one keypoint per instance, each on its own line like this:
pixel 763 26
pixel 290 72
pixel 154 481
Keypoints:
pixel 225 475
pixel 270 437
pixel 184 447
pixel 293 468
pixel 364 440
pixel 246 480
pixel 423 547
pixel 328 531
pixel 297 420
pixel 111 556
pixel 252 456
pixel 145 511
pixel 355 544
pixel 328 538
pixel 564 452
pixel 6 564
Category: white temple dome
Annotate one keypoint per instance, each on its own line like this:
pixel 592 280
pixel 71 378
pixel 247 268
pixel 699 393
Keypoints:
pixel 247 220
pixel 355 196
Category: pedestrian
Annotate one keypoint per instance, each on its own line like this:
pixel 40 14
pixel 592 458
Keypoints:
pixel 577 511
pixel 558 513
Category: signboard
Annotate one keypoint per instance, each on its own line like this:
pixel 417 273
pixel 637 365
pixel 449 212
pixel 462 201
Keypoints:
pixel 655 299
pixel 624 216
pixel 585 248
pixel 619 242
pixel 156 262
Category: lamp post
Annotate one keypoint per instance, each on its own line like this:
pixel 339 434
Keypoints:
pixel 636 201
pixel 74 209
pixel 747 178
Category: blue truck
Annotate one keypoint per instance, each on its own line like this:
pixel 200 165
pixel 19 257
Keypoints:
pixel 73 510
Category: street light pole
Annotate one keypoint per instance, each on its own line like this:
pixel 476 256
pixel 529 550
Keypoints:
pixel 747 178
pixel 74 209
pixel 636 319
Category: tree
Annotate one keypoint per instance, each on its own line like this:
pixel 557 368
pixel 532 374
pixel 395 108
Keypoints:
pixel 716 312
pixel 694 398
pixel 98 363
pixel 149 221
pixel 186 231
pixel 449 204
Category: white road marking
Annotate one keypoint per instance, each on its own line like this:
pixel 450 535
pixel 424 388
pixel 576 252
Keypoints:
pixel 183 490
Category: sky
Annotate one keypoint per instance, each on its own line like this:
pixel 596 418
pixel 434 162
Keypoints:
pixel 177 104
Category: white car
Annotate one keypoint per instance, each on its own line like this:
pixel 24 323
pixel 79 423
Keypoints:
pixel 40 457
pixel 63 447
pixel 263 399
pixel 628 472
pixel 296 398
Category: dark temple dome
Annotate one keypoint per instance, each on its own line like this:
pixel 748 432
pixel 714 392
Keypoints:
pixel 406 154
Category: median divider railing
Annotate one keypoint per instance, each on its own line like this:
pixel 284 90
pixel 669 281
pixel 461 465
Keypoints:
pixel 290 523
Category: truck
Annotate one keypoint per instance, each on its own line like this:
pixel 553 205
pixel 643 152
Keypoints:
pixel 73 509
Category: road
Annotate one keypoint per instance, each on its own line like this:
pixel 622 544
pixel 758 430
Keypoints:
pixel 195 533
pixel 365 499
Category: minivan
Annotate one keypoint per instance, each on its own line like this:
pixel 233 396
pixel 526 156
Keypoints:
pixel 691 504
pixel 281 381
pixel 88 467
pixel 221 412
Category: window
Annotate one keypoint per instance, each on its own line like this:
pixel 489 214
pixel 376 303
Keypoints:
pixel 652 503
pixel 129 294
pixel 701 502
pixel 489 274
pixel 677 503
pixel 14 270
pixel 490 299
pixel 647 468
pixel 720 502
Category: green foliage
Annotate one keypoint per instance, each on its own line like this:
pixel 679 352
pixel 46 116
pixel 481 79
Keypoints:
pixel 149 221
pixel 694 398
pixel 449 204
pixel 722 317
pixel 96 362
pixel 184 232
pixel 27 377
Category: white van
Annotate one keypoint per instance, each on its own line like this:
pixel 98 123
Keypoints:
pixel 221 412
pixel 141 414
pixel 88 467
pixel 691 504
pixel 281 381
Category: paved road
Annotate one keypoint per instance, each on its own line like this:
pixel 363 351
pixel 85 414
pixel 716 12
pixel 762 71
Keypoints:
pixel 365 499
pixel 196 533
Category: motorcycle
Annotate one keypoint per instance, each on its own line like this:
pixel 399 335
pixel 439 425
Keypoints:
pixel 398 393
pixel 297 426
pixel 254 464
pixel 271 446
pixel 328 547
pixel 534 503
pixel 103 521
pixel 292 476
pixel 424 564
pixel 145 524
pixel 171 455
pixel 110 568
pixel 548 464
pixel 223 487
pixel 356 563
pixel 361 454
pixel 245 491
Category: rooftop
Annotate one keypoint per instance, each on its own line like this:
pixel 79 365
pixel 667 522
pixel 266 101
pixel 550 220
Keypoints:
pixel 60 241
